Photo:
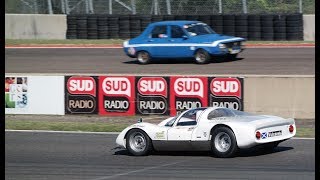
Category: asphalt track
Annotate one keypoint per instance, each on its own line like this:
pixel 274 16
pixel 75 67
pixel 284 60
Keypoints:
pixel 67 156
pixel 257 61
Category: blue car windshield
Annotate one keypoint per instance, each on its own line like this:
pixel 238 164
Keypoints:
pixel 198 29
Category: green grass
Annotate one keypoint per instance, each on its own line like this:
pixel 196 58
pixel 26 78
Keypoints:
pixel 305 132
pixel 64 126
pixel 96 127
pixel 108 41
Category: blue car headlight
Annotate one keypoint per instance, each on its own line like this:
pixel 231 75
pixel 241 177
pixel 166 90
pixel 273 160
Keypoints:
pixel 222 46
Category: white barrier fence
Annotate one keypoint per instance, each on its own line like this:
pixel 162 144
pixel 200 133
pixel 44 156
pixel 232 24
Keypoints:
pixel 34 94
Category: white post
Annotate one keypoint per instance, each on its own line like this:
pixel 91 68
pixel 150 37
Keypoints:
pixel 168 7
pixel 87 6
pixel 220 6
pixel 50 6
pixel 110 6
pixel 300 6
pixel 244 6
pixel 67 6
pixel 35 4
pixel 133 6
pixel 91 7
pixel 156 7
pixel 63 8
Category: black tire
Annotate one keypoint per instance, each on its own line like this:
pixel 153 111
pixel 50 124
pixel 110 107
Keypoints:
pixel 241 28
pixel 192 17
pixel 202 57
pixel 143 57
pixel 218 147
pixel 138 142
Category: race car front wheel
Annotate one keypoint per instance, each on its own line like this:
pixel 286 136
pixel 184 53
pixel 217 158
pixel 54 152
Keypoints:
pixel 223 142
pixel 143 57
pixel 138 142
pixel 202 56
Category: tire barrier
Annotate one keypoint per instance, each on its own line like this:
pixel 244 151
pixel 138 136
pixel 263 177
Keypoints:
pixel 265 27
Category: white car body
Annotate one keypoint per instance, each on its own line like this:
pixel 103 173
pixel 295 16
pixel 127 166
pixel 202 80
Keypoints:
pixel 198 136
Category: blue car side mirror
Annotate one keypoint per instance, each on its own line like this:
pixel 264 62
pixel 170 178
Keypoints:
pixel 185 37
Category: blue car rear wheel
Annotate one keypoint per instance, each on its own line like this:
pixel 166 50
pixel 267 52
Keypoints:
pixel 143 57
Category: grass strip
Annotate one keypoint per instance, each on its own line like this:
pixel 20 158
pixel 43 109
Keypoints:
pixel 64 126
pixel 62 41
pixel 98 127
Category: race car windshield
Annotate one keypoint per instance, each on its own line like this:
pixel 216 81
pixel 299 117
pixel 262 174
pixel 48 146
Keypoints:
pixel 198 29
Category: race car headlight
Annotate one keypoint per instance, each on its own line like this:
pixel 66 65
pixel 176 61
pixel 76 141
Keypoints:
pixel 222 46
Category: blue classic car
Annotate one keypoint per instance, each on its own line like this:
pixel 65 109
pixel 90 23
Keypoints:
pixel 181 39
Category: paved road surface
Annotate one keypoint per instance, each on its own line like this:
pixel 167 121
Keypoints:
pixel 53 156
pixel 266 61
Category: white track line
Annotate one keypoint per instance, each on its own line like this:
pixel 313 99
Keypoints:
pixel 82 132
pixel 139 170
pixel 62 132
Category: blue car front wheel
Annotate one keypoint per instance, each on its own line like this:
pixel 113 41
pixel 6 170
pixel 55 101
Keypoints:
pixel 202 56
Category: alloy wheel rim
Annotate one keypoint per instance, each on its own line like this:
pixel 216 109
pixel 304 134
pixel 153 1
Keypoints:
pixel 200 57
pixel 222 142
pixel 137 142
pixel 143 57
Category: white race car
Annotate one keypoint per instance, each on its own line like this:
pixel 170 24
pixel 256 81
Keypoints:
pixel 219 130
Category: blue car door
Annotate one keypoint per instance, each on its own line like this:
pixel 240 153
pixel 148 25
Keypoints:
pixel 157 40
pixel 178 43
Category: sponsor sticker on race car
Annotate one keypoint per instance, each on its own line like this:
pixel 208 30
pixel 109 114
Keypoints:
pixel 159 135
pixel 271 134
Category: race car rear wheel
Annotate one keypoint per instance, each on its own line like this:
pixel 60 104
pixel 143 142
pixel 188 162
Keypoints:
pixel 202 57
pixel 223 142
pixel 143 57
pixel 138 142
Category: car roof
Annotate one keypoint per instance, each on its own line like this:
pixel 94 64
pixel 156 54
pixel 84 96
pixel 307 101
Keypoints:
pixel 179 23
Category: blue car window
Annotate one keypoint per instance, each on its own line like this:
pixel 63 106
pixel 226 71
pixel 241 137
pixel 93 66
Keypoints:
pixel 159 32
pixel 198 29
pixel 176 32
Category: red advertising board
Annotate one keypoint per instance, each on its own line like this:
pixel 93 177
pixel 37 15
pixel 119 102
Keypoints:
pixel 187 92
pixel 116 95
pixel 81 95
pixel 152 95
pixel 226 92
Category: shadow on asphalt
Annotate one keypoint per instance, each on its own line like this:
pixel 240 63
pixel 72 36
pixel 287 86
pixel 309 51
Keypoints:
pixel 182 61
pixel 260 152
pixel 242 153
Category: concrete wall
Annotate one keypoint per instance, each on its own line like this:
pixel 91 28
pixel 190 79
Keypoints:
pixel 35 26
pixel 283 96
pixel 309 27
